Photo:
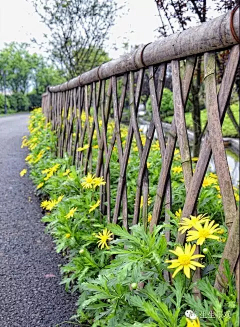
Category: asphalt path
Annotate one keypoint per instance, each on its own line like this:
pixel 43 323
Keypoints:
pixel 30 294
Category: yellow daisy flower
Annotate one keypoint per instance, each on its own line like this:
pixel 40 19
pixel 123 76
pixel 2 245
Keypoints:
pixel 71 213
pixel 178 214
pixel 208 181
pixel 149 218
pixel 155 146
pixel 23 172
pixel 68 235
pixel 49 205
pixel 66 172
pixel 88 181
pixel 60 198
pixel 40 185
pixel 93 207
pixel 98 181
pixel 85 147
pixel 177 169
pixel 192 222
pixel 217 187
pixel 195 159
pixel 185 260
pixel 104 237
pixel 28 158
pixel 203 232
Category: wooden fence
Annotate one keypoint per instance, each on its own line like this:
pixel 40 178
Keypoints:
pixel 96 94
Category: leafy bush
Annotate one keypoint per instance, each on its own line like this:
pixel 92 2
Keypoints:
pixel 18 101
pixel 123 278
pixel 228 128
pixel 2 102
pixel 34 100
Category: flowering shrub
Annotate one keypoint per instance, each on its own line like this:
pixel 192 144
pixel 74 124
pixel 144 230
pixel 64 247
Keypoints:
pixel 123 278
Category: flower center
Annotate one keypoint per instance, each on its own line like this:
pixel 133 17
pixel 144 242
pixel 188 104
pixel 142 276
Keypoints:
pixel 204 233
pixel 184 259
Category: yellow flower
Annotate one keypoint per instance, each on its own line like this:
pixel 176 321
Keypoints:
pixel 55 168
pixel 236 197
pixel 156 146
pixel 193 222
pixel 66 172
pixel 28 158
pixel 24 143
pixel 208 181
pixel 212 175
pixel 195 159
pixel 176 152
pixel 217 188
pixel 23 172
pixel 39 156
pixel 98 181
pixel 222 239
pixel 88 181
pixel 49 175
pixel 49 205
pixel 141 203
pixel 93 207
pixel 178 214
pixel 71 213
pixel 40 185
pixel 185 260
pixel 149 218
pixel 95 147
pixel 148 164
pixel 177 169
pixel 104 238
pixel 85 147
pixel 60 198
pixel 203 232
pixel 221 231
pixel 68 235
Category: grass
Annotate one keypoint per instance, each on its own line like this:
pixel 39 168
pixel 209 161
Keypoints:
pixel 228 128
pixel 9 112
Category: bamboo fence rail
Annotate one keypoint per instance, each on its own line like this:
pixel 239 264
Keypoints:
pixel 96 95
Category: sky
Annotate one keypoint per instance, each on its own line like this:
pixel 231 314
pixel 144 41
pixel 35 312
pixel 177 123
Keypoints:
pixel 20 23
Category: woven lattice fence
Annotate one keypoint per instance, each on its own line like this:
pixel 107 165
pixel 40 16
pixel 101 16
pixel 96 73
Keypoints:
pixel 91 107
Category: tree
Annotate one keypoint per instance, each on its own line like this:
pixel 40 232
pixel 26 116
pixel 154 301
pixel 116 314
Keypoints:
pixel 17 64
pixel 22 72
pixel 77 32
pixel 177 15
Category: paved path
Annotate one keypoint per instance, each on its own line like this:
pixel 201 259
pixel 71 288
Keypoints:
pixel 28 298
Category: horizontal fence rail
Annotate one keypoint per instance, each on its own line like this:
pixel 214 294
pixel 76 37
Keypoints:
pixel 87 114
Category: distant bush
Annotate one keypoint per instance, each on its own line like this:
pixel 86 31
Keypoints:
pixel 19 102
pixel 2 101
pixel 34 100
pixel 166 103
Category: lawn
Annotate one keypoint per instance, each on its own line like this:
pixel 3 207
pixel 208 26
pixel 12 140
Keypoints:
pixel 228 129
